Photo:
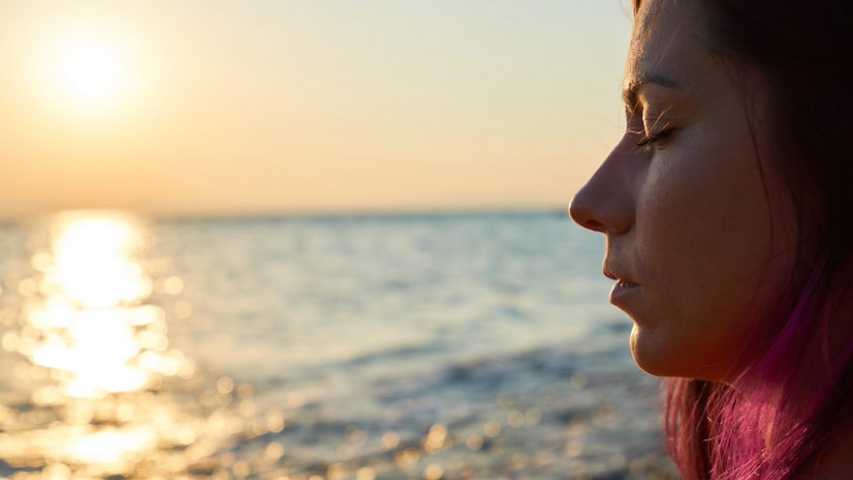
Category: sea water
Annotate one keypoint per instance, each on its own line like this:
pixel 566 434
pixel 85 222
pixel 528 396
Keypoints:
pixel 434 346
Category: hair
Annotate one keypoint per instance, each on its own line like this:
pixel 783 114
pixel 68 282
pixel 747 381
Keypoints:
pixel 792 388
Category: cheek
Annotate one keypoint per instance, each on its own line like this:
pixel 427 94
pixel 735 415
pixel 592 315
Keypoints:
pixel 702 238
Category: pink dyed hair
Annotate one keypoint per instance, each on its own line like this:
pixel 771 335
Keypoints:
pixel 794 381
pixel 772 421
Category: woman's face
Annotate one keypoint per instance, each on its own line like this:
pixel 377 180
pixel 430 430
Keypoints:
pixel 685 216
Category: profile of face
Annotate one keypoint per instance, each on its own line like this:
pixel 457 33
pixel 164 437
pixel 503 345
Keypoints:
pixel 681 200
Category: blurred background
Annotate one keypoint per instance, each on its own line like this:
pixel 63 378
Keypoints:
pixel 316 240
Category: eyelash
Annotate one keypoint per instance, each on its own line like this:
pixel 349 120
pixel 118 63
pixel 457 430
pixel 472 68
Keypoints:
pixel 649 141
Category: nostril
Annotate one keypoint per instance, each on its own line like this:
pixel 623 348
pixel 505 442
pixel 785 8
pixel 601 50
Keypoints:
pixel 593 225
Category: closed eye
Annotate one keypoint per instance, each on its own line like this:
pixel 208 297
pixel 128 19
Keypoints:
pixel 650 140
pixel 663 128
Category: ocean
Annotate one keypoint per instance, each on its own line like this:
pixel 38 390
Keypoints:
pixel 428 346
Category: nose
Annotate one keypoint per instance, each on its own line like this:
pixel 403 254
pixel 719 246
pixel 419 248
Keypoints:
pixel 605 203
pixel 581 212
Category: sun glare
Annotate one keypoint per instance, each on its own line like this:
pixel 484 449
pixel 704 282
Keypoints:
pixel 87 71
pixel 91 71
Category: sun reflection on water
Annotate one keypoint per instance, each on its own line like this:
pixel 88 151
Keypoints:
pixel 98 355
pixel 90 323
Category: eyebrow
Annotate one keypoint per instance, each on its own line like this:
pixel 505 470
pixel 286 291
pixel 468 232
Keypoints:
pixel 632 89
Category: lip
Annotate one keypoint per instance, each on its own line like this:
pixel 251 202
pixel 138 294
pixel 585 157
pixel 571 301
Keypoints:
pixel 623 293
pixel 616 276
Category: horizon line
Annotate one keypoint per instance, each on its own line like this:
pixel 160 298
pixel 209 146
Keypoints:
pixel 296 214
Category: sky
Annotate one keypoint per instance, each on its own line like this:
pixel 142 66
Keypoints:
pixel 281 106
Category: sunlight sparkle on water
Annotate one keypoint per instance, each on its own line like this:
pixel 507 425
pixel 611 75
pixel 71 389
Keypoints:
pixel 98 355
pixel 111 446
pixel 91 321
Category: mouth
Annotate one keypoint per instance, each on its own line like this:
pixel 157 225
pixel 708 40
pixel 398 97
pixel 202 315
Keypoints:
pixel 622 292
pixel 621 281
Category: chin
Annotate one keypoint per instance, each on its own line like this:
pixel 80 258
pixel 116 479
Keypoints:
pixel 652 355
pixel 656 355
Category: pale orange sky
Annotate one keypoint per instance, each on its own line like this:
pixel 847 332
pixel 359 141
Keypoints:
pixel 231 107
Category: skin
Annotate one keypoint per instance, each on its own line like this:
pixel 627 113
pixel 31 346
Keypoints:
pixel 686 217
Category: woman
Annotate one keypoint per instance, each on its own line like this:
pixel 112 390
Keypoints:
pixel 725 209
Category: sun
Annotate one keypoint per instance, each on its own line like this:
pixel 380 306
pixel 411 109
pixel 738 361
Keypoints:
pixel 86 71
pixel 90 71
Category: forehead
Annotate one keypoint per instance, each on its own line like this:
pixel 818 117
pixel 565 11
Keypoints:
pixel 667 41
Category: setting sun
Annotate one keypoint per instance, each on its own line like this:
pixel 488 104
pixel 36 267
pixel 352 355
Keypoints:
pixel 87 71
pixel 91 71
